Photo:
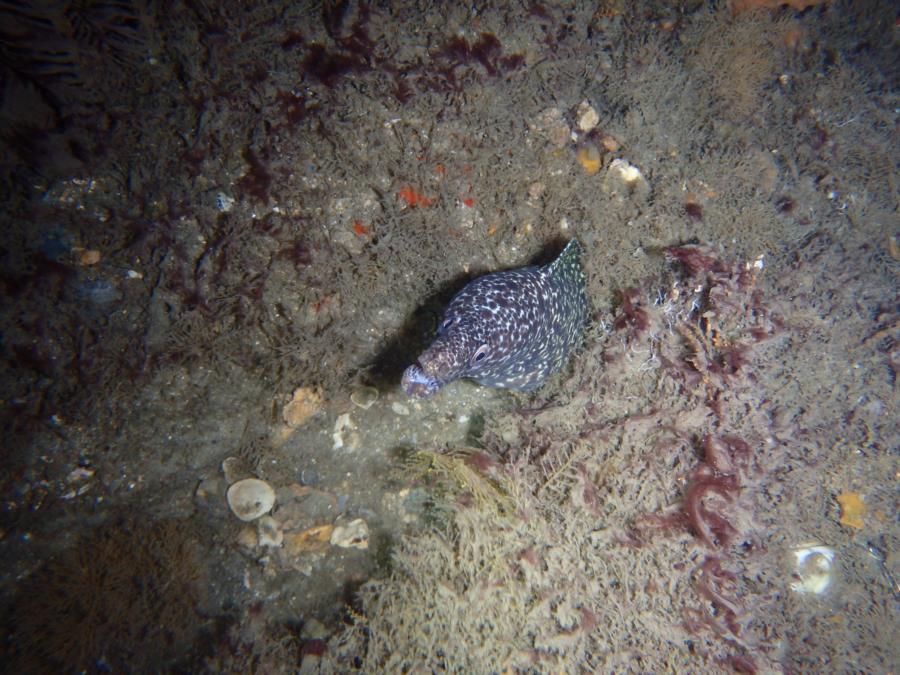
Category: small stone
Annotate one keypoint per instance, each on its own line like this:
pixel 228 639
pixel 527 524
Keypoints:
pixel 589 158
pixel 587 117
pixel 281 434
pixel 247 538
pixel 551 125
pixel 535 190
pixel 88 258
pixel 354 534
pixel 78 475
pixel 340 424
pixel 345 236
pixel 250 498
pixel 305 404
pixel 270 532
pixel 853 509
pixel 314 539
pixel 610 144
pixel 399 408
pixel 224 202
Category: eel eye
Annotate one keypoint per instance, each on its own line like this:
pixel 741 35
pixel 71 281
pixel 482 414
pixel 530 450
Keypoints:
pixel 480 354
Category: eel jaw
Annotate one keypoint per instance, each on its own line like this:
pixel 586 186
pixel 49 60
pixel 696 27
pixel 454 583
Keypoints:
pixel 416 382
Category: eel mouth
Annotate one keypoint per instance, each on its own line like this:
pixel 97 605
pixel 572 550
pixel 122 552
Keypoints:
pixel 416 382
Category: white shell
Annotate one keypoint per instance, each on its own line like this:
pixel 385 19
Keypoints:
pixel 250 498
pixel 587 117
pixel 364 397
pixel 627 172
pixel 625 181
pixel 814 567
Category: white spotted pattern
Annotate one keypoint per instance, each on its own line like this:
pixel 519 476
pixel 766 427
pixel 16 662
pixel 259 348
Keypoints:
pixel 508 329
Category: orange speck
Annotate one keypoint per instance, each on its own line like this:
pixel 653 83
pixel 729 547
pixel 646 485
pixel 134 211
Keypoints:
pixel 413 198
pixel 492 229
pixel 320 304
pixel 90 257
pixel 468 201
pixel 440 169
pixel 360 229
pixel 589 158
pixel 315 539
pixel 793 38
pixel 853 509
pixel 610 144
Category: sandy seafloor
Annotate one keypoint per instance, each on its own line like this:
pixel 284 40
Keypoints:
pixel 229 227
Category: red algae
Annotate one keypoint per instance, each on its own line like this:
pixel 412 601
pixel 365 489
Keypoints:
pixel 257 180
pixel 695 259
pixel 704 488
pixel 631 313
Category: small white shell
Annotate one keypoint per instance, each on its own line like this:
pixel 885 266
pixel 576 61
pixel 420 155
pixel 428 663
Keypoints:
pixel 625 181
pixel 250 498
pixel 814 567
pixel 587 117
pixel 364 397
pixel 629 173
